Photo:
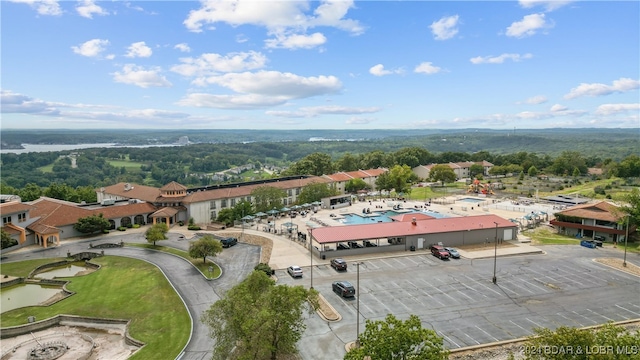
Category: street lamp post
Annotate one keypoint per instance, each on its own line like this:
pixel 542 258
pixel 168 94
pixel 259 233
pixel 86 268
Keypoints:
pixel 311 255
pixel 495 255
pixel 358 303
pixel 624 261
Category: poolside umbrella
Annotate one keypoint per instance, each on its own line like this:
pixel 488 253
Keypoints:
pixel 260 214
pixel 295 207
pixel 306 205
pixel 316 203
pixel 273 212
pixel 285 209
pixel 248 217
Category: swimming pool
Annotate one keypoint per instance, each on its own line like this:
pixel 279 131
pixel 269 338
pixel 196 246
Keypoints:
pixel 471 200
pixel 384 216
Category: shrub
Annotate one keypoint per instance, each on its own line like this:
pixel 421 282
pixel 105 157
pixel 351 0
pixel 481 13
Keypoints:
pixel 193 227
pixel 264 267
pixel 129 226
pixel 136 226
pixel 105 231
pixel 122 228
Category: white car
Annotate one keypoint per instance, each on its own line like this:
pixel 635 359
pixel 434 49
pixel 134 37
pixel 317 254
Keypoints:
pixel 294 271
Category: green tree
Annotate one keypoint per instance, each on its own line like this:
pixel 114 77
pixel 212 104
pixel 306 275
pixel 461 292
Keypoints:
pixel 257 319
pixel 475 170
pixel 62 192
pixel 267 197
pixel 442 173
pixel 8 190
pixel 533 171
pixel 316 191
pixel 86 194
pixel 205 246
pixel 7 240
pixel 156 232
pixel 400 177
pixel 313 164
pixel 375 159
pixel 92 224
pixel 226 216
pixel 632 207
pixel 347 162
pixel 30 192
pixel 242 209
pixel 582 340
pixel 355 185
pixel 393 338
pixel 412 157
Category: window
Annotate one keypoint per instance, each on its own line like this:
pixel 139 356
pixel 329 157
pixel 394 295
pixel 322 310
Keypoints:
pixel 22 217
pixel 212 205
pixel 223 203
pixel 6 220
pixel 289 192
pixel 233 202
pixel 297 191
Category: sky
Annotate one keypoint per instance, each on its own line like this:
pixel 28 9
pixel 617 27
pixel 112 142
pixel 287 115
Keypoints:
pixel 298 65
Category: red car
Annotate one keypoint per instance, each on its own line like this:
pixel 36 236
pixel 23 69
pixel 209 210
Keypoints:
pixel 439 252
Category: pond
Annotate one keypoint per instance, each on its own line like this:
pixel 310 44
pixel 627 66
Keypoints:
pixel 26 295
pixel 63 271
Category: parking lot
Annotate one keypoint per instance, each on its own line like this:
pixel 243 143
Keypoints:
pixel 458 299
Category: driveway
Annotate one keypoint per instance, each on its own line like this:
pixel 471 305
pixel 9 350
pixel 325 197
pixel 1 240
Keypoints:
pixel 197 293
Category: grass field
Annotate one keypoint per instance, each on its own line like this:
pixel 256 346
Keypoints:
pixel 128 289
pixel 129 165
pixel 203 267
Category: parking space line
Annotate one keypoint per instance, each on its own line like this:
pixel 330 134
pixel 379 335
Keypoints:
pixel 441 292
pixel 425 293
pixel 410 258
pixel 545 290
pixel 570 319
pixel 489 335
pixel 516 284
pixel 472 339
pixel 485 286
pixel 593 312
pixel 528 331
pixel 450 340
pixel 590 319
pixel 535 323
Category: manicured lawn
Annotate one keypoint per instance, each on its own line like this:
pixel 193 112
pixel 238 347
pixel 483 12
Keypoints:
pixel 203 267
pixel 129 165
pixel 23 268
pixel 123 288
pixel 543 236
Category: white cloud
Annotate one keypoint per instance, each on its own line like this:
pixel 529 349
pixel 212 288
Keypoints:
pixel 43 7
pixel 250 101
pixel 611 109
pixel 549 5
pixel 499 59
pixel 379 70
pixel 558 107
pixel 184 47
pixel 18 103
pixel 445 28
pixel 528 26
pixel 87 8
pixel 91 48
pixel 296 41
pixel 359 121
pixel 538 99
pixel 288 21
pixel 138 49
pixel 597 89
pixel 275 83
pixel 138 76
pixel 427 68
pixel 211 64
pixel 313 111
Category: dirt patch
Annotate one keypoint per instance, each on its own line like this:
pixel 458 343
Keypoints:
pixel 618 264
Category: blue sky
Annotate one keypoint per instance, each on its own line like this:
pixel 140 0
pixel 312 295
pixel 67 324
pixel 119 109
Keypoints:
pixel 320 65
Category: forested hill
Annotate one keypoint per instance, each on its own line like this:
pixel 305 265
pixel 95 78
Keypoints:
pixel 604 143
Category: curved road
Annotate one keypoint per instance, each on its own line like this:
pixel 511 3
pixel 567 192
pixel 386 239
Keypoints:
pixel 197 293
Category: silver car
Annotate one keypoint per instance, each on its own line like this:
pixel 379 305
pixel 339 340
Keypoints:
pixel 453 252
pixel 294 271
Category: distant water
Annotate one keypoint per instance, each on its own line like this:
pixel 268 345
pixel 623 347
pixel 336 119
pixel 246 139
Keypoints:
pixel 58 147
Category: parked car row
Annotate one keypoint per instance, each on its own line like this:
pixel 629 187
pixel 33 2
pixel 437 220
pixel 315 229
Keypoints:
pixel 444 253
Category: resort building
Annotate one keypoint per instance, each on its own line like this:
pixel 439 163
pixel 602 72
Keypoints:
pixel 601 220
pixel 461 169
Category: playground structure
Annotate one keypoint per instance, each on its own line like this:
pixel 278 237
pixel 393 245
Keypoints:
pixel 479 188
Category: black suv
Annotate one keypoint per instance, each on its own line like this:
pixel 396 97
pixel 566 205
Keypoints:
pixel 343 288
pixel 228 242
pixel 338 264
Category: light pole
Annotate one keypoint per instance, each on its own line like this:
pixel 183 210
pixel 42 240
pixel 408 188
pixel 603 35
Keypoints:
pixel 624 261
pixel 495 255
pixel 358 303
pixel 311 255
